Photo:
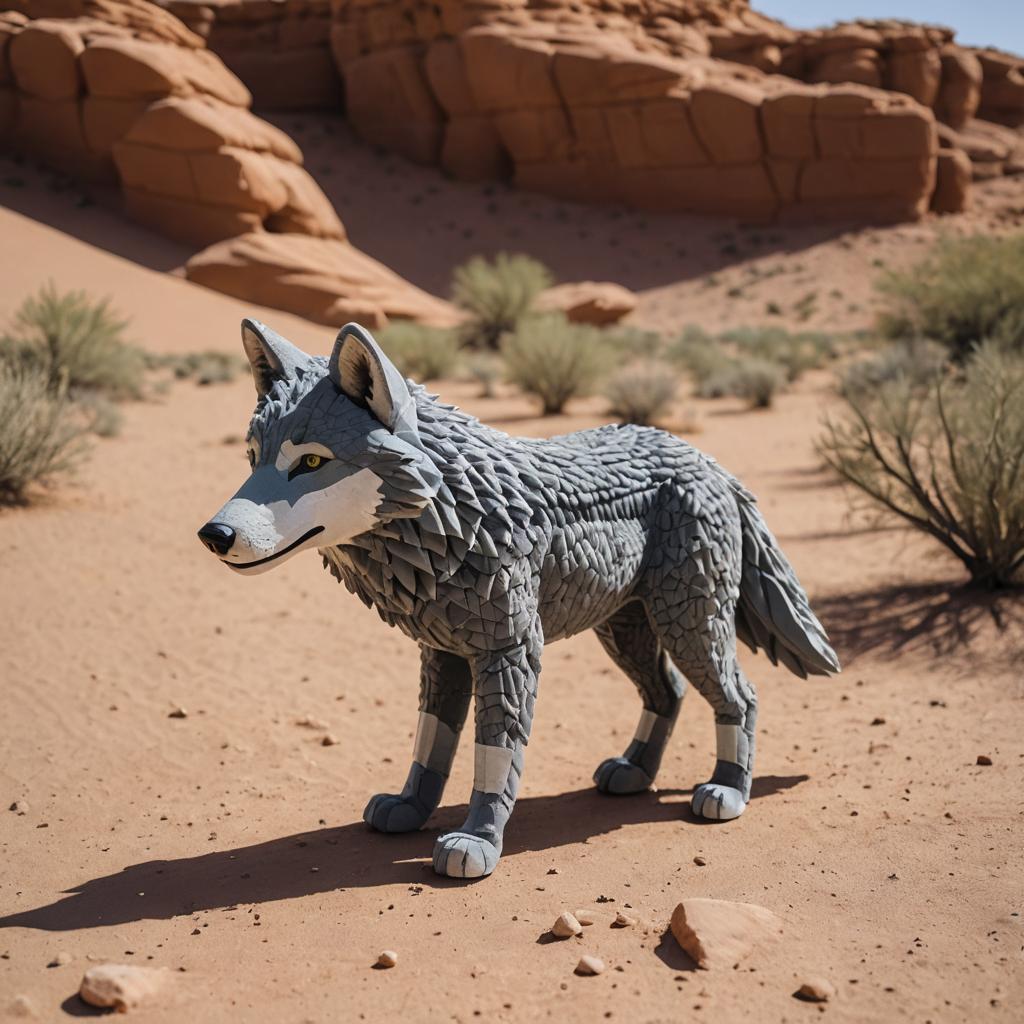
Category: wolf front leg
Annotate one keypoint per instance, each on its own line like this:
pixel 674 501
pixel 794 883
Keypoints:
pixel 446 685
pixel 506 689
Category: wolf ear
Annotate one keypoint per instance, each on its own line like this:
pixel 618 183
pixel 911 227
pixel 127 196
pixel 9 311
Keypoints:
pixel 361 371
pixel 272 357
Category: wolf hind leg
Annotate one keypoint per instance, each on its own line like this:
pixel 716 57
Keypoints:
pixel 446 686
pixel 633 646
pixel 705 652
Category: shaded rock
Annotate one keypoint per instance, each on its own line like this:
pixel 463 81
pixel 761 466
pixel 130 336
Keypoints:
pixel 952 181
pixel 324 280
pixel 589 302
pixel 566 926
pixel 623 921
pixel 589 965
pixel 984 759
pixel 387 958
pixel 721 933
pixel 816 990
pixel 121 986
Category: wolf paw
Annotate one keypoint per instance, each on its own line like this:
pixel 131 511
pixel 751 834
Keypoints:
pixel 460 855
pixel 717 803
pixel 387 812
pixel 618 775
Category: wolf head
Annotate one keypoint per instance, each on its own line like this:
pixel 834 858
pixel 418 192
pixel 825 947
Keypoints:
pixel 334 450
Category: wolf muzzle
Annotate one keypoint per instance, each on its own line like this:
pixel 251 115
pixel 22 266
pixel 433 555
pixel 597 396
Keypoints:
pixel 217 537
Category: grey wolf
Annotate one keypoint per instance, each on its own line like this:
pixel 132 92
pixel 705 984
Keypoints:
pixel 483 547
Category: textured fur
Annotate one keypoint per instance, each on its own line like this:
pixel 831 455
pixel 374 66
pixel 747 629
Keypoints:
pixel 485 547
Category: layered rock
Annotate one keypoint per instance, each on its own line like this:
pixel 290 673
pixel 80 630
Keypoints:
pixel 1002 87
pixel 319 279
pixel 280 50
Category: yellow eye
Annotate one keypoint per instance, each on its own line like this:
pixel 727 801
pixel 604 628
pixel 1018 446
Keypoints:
pixel 311 461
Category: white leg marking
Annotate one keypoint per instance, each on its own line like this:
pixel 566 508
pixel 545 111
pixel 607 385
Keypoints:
pixel 491 767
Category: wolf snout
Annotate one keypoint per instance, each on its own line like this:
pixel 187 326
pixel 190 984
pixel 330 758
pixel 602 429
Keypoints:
pixel 217 537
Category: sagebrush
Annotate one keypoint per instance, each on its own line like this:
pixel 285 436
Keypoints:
pixel 555 360
pixel 969 290
pixel 947 458
pixel 497 294
pixel 642 393
pixel 424 353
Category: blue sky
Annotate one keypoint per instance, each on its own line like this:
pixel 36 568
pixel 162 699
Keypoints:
pixel 977 22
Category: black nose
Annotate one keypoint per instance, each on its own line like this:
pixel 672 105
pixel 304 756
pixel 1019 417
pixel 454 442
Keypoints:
pixel 217 537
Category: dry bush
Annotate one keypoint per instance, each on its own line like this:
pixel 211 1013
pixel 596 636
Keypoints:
pixel 969 290
pixel 497 294
pixel 756 380
pixel 796 352
pixel 948 458
pixel 421 352
pixel 486 368
pixel 207 367
pixel 642 393
pixel 41 433
pixel 78 343
pixel 917 362
pixel 555 360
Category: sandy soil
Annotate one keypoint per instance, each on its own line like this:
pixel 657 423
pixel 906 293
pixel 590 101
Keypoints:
pixel 228 845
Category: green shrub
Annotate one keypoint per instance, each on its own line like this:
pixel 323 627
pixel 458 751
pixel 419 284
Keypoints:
pixel 917 362
pixel 947 458
pixel 486 368
pixel 968 291
pixel 797 352
pixel 701 355
pixel 207 367
pixel 423 353
pixel 555 360
pixel 77 342
pixel 633 342
pixel 640 394
pixel 756 380
pixel 497 294
pixel 41 434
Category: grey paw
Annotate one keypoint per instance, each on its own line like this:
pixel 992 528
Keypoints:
pixel 387 812
pixel 619 775
pixel 717 803
pixel 460 855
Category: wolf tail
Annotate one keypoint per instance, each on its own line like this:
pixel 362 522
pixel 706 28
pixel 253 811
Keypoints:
pixel 773 612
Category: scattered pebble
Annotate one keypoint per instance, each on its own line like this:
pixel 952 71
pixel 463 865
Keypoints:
pixel 878 721
pixel 589 965
pixel 329 740
pixel 623 921
pixel 309 722
pixel 984 759
pixel 120 986
pixel 62 958
pixel 815 990
pixel 699 861
pixel 585 917
pixel 178 713
pixel 566 926
pixel 19 807
pixel 387 958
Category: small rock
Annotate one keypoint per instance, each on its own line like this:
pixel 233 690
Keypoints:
pixel 589 965
pixel 19 807
pixel 984 759
pixel 720 933
pixel 387 958
pixel 309 722
pixel 21 1006
pixel 815 990
pixel 699 861
pixel 878 721
pixel 62 958
pixel 585 917
pixel 329 740
pixel 178 713
pixel 121 986
pixel 623 921
pixel 566 926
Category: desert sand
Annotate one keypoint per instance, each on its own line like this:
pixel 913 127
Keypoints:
pixel 227 845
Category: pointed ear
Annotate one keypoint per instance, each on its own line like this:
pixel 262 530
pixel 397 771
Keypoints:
pixel 361 371
pixel 271 357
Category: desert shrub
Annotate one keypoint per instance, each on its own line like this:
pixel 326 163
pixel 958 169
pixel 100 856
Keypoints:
pixel 967 291
pixel 486 368
pixel 207 367
pixel 701 355
pixel 641 393
pixel 497 294
pixel 756 380
pixel 78 343
pixel 420 352
pixel 555 360
pixel 41 433
pixel 916 362
pixel 101 416
pixel 797 352
pixel 633 342
pixel 947 458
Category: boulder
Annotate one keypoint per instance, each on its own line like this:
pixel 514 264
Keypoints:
pixel 719 934
pixel 44 60
pixel 324 280
pixel 952 181
pixel 121 987
pixel 960 88
pixel 589 302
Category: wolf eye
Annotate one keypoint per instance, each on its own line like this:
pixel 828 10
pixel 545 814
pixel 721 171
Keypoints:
pixel 307 464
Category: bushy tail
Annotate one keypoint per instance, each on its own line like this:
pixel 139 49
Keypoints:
pixel 773 612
